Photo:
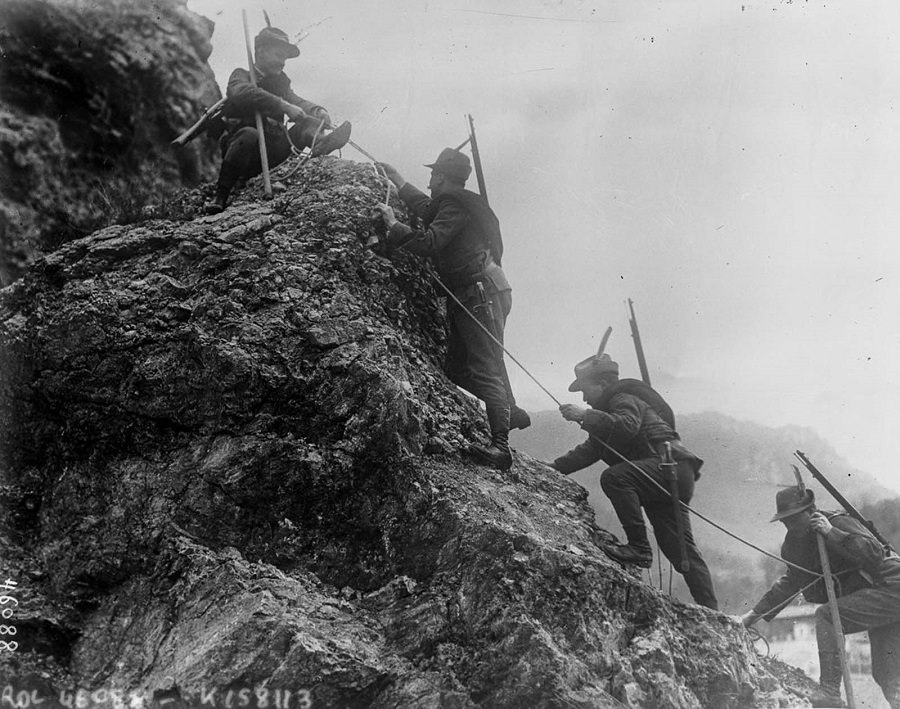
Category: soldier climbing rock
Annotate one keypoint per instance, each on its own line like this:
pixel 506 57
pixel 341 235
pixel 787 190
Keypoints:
pixel 461 232
pixel 867 589
pixel 273 98
pixel 632 419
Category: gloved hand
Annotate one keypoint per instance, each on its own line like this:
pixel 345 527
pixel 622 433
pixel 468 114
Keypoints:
pixel 391 173
pixel 387 213
pixel 570 412
pixel 819 524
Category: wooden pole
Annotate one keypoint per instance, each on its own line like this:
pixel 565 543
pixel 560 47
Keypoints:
pixel 263 156
pixel 836 619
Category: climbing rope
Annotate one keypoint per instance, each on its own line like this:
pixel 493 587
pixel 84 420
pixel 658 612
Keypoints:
pixel 609 447
pixel 298 152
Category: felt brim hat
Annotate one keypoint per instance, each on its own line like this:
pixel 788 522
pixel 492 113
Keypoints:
pixel 587 371
pixel 792 500
pixel 272 36
pixel 453 164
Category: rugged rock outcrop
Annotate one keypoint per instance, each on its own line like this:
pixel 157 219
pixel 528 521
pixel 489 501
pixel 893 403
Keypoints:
pixel 230 472
pixel 91 94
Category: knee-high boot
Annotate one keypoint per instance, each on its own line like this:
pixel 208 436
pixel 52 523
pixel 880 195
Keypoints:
pixel 498 453
pixel 829 692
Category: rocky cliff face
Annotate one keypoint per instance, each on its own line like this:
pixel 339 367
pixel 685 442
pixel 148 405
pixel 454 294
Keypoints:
pixel 229 468
pixel 91 93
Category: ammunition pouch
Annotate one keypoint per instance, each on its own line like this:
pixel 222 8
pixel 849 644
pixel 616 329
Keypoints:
pixel 487 280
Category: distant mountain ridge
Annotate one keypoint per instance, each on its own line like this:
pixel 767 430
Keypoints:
pixel 745 463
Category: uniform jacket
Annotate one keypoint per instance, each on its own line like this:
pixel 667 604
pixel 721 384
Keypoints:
pixel 629 425
pixel 462 234
pixel 244 99
pixel 857 559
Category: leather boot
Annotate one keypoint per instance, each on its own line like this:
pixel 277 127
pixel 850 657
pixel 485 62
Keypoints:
pixel 518 418
pixel 219 203
pixel 829 692
pixel 637 551
pixel 322 143
pixel 497 454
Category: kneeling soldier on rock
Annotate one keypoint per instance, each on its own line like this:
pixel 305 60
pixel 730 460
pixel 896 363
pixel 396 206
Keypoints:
pixel 272 97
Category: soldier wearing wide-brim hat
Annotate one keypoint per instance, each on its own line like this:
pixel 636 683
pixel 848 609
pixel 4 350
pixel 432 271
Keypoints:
pixel 633 420
pixel 867 585
pixel 461 233
pixel 274 99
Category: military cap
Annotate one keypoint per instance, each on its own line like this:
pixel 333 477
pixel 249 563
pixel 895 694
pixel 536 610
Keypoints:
pixel 590 369
pixel 270 36
pixel 452 163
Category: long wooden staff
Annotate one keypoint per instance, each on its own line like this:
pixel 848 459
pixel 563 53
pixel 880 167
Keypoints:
pixel 263 156
pixel 832 603
pixel 836 620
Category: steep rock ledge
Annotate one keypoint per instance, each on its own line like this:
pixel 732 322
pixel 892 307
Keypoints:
pixel 227 449
pixel 91 94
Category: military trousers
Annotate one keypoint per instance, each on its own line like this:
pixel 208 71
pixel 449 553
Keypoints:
pixel 876 610
pixel 240 150
pixel 629 490
pixel 473 360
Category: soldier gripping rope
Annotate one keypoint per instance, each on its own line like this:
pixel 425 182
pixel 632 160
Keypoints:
pixel 461 232
pixel 261 97
pixel 632 429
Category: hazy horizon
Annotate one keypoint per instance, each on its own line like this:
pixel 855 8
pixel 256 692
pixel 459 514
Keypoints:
pixel 731 167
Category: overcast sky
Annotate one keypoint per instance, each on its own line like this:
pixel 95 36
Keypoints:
pixel 730 166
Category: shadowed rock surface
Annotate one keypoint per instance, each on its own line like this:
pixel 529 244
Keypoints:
pixel 227 450
pixel 91 94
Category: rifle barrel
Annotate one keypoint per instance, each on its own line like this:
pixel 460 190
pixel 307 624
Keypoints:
pixel 638 346
pixel 476 158
pixel 195 129
pixel 851 510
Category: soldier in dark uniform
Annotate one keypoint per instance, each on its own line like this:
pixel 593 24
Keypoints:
pixel 867 585
pixel 631 418
pixel 274 99
pixel 461 232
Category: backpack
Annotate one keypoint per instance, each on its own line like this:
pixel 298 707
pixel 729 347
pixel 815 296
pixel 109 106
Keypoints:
pixel 645 393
